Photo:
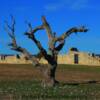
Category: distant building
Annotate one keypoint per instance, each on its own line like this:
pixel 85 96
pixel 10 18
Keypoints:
pixel 74 56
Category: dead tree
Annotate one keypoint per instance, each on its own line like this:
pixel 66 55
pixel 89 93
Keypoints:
pixel 53 50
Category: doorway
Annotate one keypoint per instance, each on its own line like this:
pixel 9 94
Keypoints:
pixel 76 59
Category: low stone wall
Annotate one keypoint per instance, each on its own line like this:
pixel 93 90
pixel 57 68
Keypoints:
pixel 71 58
pixel 14 60
pixel 83 59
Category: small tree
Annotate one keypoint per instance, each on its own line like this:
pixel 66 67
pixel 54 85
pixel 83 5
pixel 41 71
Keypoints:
pixel 51 55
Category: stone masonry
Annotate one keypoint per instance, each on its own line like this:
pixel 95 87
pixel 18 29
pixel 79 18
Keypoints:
pixel 72 57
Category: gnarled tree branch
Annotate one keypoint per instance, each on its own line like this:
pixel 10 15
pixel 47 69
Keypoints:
pixel 47 28
pixel 60 46
pixel 70 31
pixel 31 35
pixel 14 45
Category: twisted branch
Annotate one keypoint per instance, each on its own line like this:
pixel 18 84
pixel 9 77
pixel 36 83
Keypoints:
pixel 11 32
pixel 70 31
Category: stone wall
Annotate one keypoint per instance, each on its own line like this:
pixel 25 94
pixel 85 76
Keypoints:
pixel 80 58
pixel 73 57
pixel 13 59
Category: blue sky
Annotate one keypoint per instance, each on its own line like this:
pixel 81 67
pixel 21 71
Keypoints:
pixel 61 15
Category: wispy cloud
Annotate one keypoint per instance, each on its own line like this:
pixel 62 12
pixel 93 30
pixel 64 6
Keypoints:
pixel 56 5
pixel 69 4
pixel 79 4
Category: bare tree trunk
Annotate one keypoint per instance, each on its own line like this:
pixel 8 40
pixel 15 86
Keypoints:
pixel 49 76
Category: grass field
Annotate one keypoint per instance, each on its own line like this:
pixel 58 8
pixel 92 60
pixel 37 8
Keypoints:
pixel 23 82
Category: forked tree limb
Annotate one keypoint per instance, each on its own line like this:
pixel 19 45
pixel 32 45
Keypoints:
pixel 45 26
pixel 11 30
pixel 60 46
pixel 31 35
pixel 52 38
pixel 14 45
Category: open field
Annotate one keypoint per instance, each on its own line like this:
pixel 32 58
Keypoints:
pixel 23 82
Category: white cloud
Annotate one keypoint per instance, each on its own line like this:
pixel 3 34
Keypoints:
pixel 67 4
pixel 54 6
pixel 79 4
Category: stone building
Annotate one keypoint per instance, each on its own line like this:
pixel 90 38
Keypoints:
pixel 72 57
pixel 82 58
pixel 13 59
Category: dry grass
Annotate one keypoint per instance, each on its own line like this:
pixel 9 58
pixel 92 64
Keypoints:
pixel 64 73
pixel 19 82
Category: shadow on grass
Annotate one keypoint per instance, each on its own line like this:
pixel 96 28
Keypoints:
pixel 80 83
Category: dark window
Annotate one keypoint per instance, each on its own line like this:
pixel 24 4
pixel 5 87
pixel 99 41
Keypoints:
pixel 76 59
pixel 17 56
pixel 2 57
